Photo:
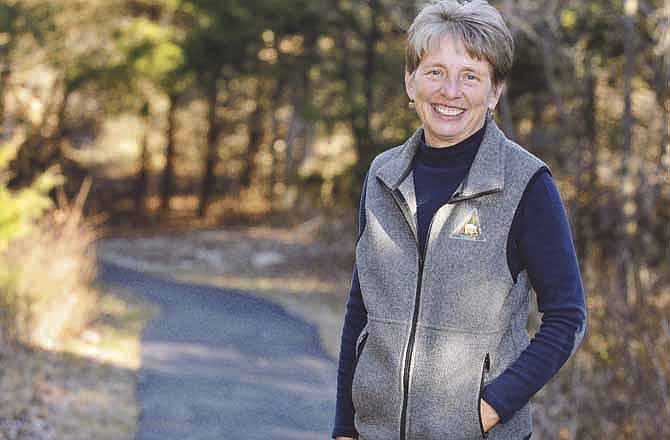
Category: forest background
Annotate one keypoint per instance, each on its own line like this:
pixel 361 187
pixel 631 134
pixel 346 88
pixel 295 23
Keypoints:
pixel 187 114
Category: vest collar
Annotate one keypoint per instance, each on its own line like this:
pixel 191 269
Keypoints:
pixel 486 175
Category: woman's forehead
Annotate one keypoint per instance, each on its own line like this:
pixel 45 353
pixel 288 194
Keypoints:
pixel 450 49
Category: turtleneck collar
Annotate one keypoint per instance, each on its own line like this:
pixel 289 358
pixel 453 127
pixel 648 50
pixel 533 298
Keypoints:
pixel 455 156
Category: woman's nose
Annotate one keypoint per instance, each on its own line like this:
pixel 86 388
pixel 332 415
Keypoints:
pixel 451 88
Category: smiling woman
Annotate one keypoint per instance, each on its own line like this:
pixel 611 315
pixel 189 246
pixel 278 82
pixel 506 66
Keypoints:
pixel 457 59
pixel 451 92
pixel 463 222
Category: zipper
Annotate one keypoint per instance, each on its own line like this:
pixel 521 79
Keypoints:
pixel 417 294
pixel 409 353
pixel 486 367
pixel 407 360
pixel 458 197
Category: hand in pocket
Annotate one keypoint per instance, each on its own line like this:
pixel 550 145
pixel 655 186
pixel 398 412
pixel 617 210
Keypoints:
pixel 489 415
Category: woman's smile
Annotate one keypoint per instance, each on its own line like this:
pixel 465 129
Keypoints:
pixel 448 112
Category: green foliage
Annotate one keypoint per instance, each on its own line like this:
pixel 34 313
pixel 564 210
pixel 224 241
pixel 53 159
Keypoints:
pixel 19 209
pixel 150 49
pixel 568 18
pixel 150 45
pixel 34 18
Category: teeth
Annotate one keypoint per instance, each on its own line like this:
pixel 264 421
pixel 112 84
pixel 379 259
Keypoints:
pixel 448 111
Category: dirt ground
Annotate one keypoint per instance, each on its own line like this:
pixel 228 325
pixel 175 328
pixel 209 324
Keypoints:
pixel 83 389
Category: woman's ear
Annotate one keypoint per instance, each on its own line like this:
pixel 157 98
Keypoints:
pixel 496 93
pixel 409 85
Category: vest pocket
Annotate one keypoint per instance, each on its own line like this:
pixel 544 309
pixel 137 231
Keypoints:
pixel 446 384
pixel 355 379
pixel 486 367
pixel 376 391
pixel 360 344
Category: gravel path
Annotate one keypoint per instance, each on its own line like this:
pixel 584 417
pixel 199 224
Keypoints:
pixel 221 364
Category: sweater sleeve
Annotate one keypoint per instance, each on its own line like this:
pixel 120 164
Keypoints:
pixel 354 320
pixel 540 242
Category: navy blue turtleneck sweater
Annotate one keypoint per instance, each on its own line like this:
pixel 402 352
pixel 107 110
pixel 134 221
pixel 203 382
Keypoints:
pixel 539 241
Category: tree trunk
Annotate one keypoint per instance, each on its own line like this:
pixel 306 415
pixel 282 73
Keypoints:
pixel 506 115
pixel 141 183
pixel 4 80
pixel 662 86
pixel 548 45
pixel 625 260
pixel 167 182
pixel 295 128
pixel 275 103
pixel 587 165
pixel 255 139
pixel 5 63
pixel 536 132
pixel 360 112
pixel 54 150
pixel 295 151
pixel 628 184
pixel 208 181
pixel 369 70
pixel 365 143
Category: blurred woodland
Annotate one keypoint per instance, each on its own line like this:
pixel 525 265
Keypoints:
pixel 222 112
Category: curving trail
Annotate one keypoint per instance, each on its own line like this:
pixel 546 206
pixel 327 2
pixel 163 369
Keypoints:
pixel 218 364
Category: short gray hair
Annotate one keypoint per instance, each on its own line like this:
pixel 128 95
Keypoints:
pixel 476 23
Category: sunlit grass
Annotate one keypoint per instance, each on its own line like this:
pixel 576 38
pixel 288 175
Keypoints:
pixel 69 350
pixel 84 388
pixel 98 382
pixel 114 337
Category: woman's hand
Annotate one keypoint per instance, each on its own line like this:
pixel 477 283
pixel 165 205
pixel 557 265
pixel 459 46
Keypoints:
pixel 489 415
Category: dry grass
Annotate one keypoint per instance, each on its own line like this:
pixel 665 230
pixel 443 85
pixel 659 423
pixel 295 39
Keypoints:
pixel 69 350
pixel 85 389
pixel 45 279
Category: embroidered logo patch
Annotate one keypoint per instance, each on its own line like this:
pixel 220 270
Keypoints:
pixel 470 227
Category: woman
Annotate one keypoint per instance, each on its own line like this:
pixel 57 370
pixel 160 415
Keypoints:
pixel 456 225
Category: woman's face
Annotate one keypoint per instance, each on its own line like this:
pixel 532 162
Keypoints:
pixel 452 93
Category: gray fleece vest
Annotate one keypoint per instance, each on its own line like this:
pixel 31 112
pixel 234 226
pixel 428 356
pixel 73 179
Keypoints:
pixel 440 327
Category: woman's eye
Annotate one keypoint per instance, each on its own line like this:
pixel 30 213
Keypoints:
pixel 434 72
pixel 470 77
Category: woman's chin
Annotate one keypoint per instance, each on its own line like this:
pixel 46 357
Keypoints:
pixel 446 134
pixel 450 125
pixel 447 131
